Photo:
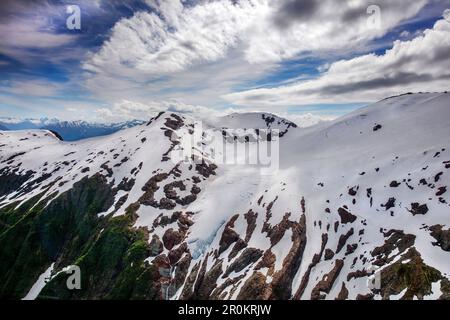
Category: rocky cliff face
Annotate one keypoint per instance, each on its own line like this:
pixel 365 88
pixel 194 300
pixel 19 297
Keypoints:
pixel 358 209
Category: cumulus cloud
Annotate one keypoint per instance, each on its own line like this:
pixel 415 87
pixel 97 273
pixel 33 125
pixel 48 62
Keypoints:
pixel 131 110
pixel 177 36
pixel 175 39
pixel 307 119
pixel 420 64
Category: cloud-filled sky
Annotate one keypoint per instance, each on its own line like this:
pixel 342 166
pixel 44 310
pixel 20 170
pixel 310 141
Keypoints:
pixel 307 59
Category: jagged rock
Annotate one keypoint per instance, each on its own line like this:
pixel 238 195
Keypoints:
pixel 281 284
pixel 327 281
pixel 251 217
pixel 120 202
pixel 188 289
pixel 389 204
pixel 346 217
pixel 229 236
pixel 176 254
pixel 247 257
pixel 172 238
pixel 411 273
pixel 441 191
pixel 162 264
pixel 417 208
pixel 166 204
pixel 195 190
pixel 343 240
pixel 182 269
pixel 353 191
pixel 442 237
pixel 396 239
pixel 219 294
pixel 267 261
pixel 209 282
pixel 445 289
pixel 184 220
pixel 329 254
pixel 368 296
pixel 205 169
pixel 156 246
pixel 150 188
pixel 187 200
pixel 343 294
pixel 238 246
pixel 357 274
pixel 174 122
pixel 277 232
pixel 254 288
pixel 377 127
pixel 351 248
pixel 394 184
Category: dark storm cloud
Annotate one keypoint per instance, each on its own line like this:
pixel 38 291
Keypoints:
pixel 295 11
pixel 397 79
pixel 400 78
pixel 354 14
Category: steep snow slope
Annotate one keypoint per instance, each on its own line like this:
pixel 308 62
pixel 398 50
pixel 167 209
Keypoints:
pixel 363 198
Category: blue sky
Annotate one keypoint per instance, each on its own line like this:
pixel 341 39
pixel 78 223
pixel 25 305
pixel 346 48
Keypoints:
pixel 294 57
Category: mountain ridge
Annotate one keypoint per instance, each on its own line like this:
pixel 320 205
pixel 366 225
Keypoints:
pixel 69 130
pixel 361 197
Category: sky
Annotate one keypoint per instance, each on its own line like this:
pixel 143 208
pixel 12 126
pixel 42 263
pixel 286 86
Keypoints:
pixel 308 60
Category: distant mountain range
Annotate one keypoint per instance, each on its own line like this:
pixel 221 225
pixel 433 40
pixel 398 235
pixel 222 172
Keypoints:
pixel 68 130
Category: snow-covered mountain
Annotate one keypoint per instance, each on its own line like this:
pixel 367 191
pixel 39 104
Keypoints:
pixel 28 123
pixel 358 209
pixel 68 130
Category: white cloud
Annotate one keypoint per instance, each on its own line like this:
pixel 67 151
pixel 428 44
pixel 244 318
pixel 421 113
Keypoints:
pixel 177 39
pixel 130 110
pixel 421 64
pixel 265 30
pixel 35 88
pixel 307 119
pixel 187 51
pixel 32 34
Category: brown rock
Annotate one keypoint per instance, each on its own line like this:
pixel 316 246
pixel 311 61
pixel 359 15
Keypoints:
pixel 329 254
pixel 346 217
pixel 417 208
pixel 343 240
pixel 255 288
pixel 247 257
pixel 327 281
pixel 229 236
pixel 442 237
pixel 343 294
pixel 156 246
pixel 171 238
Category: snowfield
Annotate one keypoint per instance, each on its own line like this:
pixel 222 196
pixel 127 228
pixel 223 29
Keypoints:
pixel 362 197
